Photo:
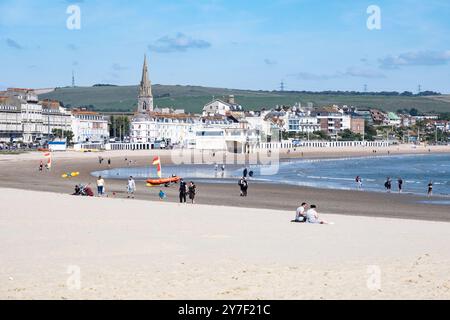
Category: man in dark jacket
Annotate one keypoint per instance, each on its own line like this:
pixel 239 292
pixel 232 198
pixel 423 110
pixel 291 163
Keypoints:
pixel 182 191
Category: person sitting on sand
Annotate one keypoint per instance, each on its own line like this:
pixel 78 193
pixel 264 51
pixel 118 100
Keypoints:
pixel 313 217
pixel 77 191
pixel 300 215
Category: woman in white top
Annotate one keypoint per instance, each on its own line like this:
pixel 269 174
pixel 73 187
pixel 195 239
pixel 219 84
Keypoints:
pixel 313 217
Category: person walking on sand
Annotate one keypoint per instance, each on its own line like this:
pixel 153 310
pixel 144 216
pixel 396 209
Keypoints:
pixel 100 186
pixel 241 186
pixel 131 187
pixel 192 191
pixel 243 183
pixel 430 189
pixel 182 191
pixel 41 166
pixel 313 217
pixel 109 163
pixel 400 185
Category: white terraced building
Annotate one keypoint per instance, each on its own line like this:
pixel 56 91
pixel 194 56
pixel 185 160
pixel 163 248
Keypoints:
pixel 20 105
pixel 300 123
pixel 174 128
pixel 24 118
pixel 89 127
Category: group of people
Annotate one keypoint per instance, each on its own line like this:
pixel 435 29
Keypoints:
pixel 42 166
pixel 243 182
pixel 187 190
pixel 216 169
pixel 101 159
pixel 388 185
pixel 308 214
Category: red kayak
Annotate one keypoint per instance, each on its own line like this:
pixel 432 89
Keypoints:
pixel 163 181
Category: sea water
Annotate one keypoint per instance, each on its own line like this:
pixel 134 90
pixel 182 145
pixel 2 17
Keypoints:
pixel 416 172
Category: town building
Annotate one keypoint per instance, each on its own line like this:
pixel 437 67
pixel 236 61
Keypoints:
pixel 221 107
pixel 55 117
pixel 25 105
pixel 89 127
pixel 302 123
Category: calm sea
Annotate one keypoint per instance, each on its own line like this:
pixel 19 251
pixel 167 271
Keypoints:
pixel 415 170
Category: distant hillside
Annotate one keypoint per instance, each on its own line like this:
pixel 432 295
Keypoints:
pixel 193 98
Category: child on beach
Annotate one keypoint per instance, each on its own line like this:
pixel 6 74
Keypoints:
pixel 162 195
pixel 41 166
pixel 430 189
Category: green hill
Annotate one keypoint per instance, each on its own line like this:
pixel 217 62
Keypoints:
pixel 193 98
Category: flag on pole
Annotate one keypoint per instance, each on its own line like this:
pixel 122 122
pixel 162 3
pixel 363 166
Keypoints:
pixel 48 155
pixel 157 163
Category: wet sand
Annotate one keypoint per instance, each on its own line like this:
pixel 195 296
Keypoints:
pixel 21 172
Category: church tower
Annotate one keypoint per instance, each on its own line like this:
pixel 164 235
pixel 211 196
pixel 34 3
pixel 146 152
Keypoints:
pixel 145 100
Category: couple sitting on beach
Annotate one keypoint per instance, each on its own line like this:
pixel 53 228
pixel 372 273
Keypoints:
pixel 306 214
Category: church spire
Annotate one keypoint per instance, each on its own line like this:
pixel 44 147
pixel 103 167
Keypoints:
pixel 145 100
pixel 145 89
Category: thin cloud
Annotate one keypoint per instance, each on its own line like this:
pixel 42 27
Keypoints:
pixel 72 47
pixel 353 72
pixel 418 58
pixel 179 43
pixel 270 62
pixel 118 67
pixel 13 44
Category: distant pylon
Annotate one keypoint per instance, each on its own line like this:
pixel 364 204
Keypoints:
pixel 419 89
pixel 365 88
pixel 73 79
pixel 282 87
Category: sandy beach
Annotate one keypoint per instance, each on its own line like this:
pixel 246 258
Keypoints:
pixel 21 172
pixel 131 249
pixel 57 246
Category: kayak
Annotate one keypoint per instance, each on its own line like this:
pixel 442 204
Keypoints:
pixel 162 181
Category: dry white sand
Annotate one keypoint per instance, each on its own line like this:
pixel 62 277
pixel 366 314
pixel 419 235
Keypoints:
pixel 54 246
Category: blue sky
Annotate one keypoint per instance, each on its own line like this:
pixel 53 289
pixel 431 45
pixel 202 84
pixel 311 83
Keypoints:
pixel 311 45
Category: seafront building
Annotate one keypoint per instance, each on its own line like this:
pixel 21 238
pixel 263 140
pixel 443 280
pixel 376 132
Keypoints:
pixel 24 118
pixel 223 123
pixel 89 127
